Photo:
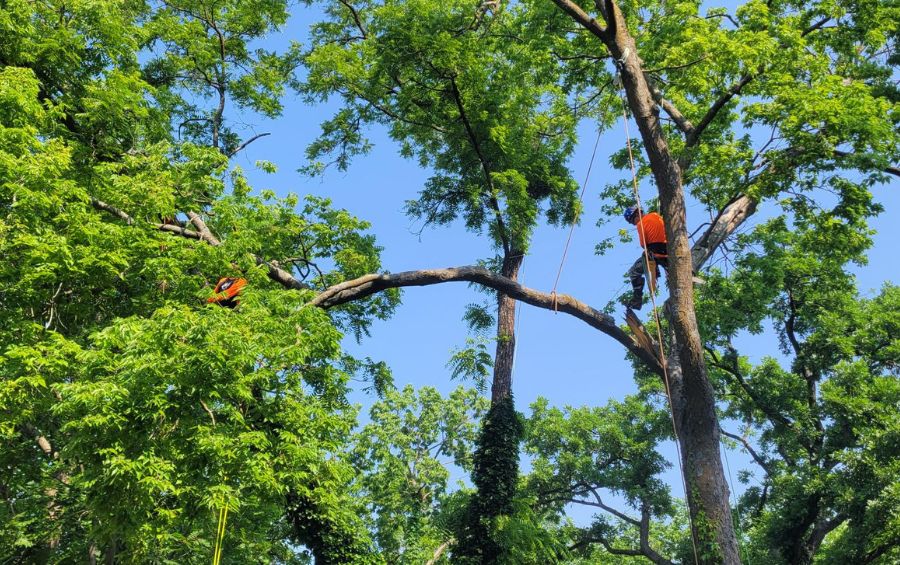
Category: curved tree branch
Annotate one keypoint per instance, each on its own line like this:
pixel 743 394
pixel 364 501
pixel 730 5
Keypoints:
pixel 727 222
pixel 368 285
pixel 243 145
pixel 579 15
pixel 756 456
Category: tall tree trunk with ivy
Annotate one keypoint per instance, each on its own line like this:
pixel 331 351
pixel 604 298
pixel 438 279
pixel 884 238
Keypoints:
pixel 496 458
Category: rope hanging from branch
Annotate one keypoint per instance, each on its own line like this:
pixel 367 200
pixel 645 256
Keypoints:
pixel 587 177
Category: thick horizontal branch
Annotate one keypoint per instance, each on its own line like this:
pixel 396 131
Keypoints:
pixel 367 285
pixel 727 222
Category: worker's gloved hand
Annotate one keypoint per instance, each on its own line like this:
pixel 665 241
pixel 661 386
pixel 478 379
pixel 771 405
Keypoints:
pixel 636 302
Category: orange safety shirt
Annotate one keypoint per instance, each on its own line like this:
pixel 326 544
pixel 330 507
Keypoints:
pixel 651 229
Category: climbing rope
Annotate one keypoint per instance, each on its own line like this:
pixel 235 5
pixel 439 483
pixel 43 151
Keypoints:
pixel 220 534
pixel 587 177
pixel 662 354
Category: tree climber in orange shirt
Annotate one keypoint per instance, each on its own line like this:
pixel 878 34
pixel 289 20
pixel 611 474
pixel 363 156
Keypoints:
pixel 652 235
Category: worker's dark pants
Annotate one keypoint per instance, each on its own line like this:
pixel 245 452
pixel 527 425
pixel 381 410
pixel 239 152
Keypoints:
pixel 638 271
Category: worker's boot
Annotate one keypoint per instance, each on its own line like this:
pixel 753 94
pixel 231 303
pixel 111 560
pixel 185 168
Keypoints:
pixel 637 300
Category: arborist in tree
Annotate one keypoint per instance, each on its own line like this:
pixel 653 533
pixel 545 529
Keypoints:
pixel 227 291
pixel 652 235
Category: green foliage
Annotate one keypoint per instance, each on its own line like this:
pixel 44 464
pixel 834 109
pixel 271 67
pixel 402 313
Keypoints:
pixel 201 51
pixel 404 454
pixel 472 362
pixel 132 412
pixel 819 420
pixel 458 96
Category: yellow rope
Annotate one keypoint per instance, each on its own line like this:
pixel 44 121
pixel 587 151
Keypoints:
pixel 662 355
pixel 220 534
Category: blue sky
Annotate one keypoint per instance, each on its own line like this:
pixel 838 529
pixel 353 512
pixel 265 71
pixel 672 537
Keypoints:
pixel 558 357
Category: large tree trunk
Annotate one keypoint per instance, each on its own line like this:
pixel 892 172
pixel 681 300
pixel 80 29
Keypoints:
pixel 496 460
pixel 693 402
pixel 506 331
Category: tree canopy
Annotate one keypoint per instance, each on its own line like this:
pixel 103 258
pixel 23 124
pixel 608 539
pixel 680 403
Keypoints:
pixel 133 411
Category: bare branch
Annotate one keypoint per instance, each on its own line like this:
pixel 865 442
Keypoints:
pixel 816 26
pixel 243 145
pixel 208 411
pixel 726 223
pixel 367 285
pixel 789 328
pixel 205 234
pixel 100 205
pixel 178 230
pixel 439 551
pixel 616 550
pixel 276 273
pixel 728 17
pixel 749 448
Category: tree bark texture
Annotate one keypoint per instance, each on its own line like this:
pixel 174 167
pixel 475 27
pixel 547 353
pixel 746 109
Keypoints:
pixel 367 285
pixel 506 332
pixel 693 402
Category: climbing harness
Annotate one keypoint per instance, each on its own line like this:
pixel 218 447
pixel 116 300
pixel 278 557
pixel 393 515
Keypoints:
pixel 662 355
pixel 227 292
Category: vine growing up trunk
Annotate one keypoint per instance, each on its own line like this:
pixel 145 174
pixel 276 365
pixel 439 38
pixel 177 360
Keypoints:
pixel 496 470
pixel 496 458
